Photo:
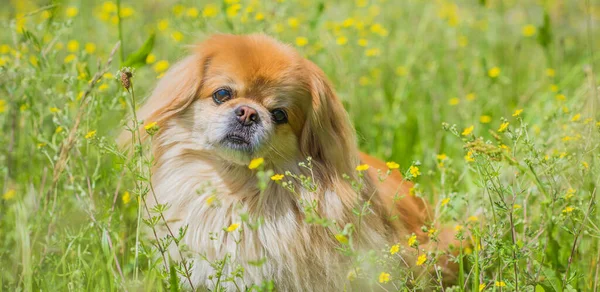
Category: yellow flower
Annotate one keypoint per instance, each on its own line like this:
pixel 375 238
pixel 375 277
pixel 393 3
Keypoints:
pixel 259 16
pixel 471 96
pixel 458 227
pixel 277 177
pixel 550 72
pixel 392 165
pixel 469 157
pixel 163 24
pixel 348 22
pixel 570 193
pixel 10 194
pixel 109 7
pixel 362 42
pixel 108 75
pixel 485 119
pixel 503 127
pixel 71 11
pixel 2 105
pixel 342 40
pixel 73 46
pixel 90 134
pixel 293 22
pixel 372 52
pixel 468 131
pixel 394 249
pixel 554 88
pixel 256 162
pixel 379 29
pixel 362 167
pixel 161 66
pixel 454 101
pixel 210 10
pixel 473 219
pixel 232 11
pixel 210 200
pixel 90 48
pixel 352 274
pixel 500 284
pixel 33 60
pixel 54 110
pixel 178 9
pixel 576 118
pixel 58 130
pixel 431 232
pixel 192 12
pixel 568 209
pixel 517 112
pixel 494 72
pixel 177 36
pixel 127 12
pixel 445 201
pixel 4 49
pixel 103 87
pixel 414 171
pixel 412 240
pixel 126 197
pixel 233 227
pixel 441 156
pixel 421 259
pixel 585 165
pixel 401 71
pixel 528 30
pixel 341 238
pixel 151 58
pixel 384 277
pixel 46 14
pixel 301 41
pixel 517 206
pixel 150 126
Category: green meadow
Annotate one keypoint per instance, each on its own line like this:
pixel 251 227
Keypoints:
pixel 490 107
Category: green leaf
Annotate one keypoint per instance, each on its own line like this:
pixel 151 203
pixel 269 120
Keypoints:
pixel 173 280
pixel 539 288
pixel 138 58
pixel 545 35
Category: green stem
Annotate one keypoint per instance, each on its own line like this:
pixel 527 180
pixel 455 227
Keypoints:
pixel 122 48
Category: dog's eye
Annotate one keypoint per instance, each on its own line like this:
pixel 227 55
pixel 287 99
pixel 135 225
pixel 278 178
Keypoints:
pixel 222 95
pixel 279 116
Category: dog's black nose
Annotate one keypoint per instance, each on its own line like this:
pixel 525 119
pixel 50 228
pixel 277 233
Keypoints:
pixel 246 115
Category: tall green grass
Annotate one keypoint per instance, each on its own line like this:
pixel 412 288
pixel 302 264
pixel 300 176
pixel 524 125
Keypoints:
pixel 415 76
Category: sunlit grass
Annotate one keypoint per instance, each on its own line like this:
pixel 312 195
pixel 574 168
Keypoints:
pixel 491 107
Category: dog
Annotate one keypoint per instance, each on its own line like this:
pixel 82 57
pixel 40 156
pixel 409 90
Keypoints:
pixel 240 97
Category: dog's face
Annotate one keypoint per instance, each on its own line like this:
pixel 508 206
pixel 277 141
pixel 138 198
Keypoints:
pixel 253 101
pixel 241 97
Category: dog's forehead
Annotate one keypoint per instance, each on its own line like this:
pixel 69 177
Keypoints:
pixel 254 60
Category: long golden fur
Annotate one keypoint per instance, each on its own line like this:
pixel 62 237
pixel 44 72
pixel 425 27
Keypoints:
pixel 193 164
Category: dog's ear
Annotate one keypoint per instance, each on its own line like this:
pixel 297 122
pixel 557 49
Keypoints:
pixel 175 91
pixel 328 136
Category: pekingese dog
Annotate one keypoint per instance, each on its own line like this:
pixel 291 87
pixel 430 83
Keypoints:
pixel 239 97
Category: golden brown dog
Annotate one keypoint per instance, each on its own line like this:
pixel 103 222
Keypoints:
pixel 236 98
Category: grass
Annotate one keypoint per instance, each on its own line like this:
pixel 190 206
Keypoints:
pixel 437 85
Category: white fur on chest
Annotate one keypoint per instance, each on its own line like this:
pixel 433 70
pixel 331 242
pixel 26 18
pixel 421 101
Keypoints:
pixel 296 255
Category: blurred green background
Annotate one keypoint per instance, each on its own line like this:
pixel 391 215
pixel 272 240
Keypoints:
pixel 401 68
